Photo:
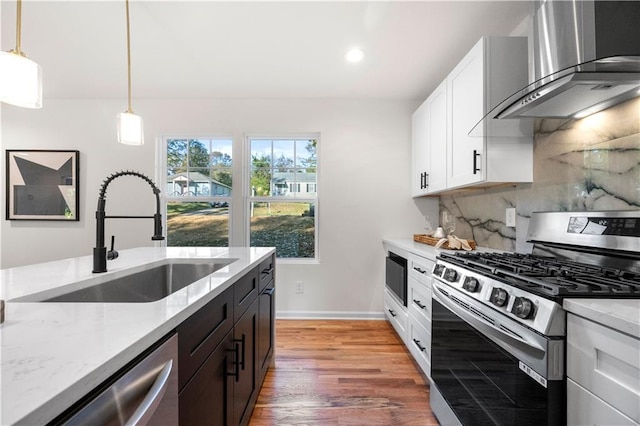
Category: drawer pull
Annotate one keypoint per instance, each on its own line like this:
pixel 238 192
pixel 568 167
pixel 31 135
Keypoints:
pixel 241 357
pixel 417 342
pixel 236 368
pixel 417 302
pixel 415 268
pixel 393 314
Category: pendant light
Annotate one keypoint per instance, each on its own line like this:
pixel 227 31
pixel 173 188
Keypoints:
pixel 20 77
pixel 130 131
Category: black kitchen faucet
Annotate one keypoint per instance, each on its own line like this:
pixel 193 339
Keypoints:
pixel 100 253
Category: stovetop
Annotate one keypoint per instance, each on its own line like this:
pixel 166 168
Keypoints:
pixel 550 277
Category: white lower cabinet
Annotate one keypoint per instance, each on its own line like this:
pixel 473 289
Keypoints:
pixel 584 408
pixel 413 322
pixel 603 374
pixel 396 314
pixel 419 301
pixel 419 344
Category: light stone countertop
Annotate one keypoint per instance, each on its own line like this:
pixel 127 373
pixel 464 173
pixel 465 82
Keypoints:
pixel 619 314
pixel 408 245
pixel 52 354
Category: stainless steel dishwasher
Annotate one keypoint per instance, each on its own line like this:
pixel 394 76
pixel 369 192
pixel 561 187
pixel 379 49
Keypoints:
pixel 145 392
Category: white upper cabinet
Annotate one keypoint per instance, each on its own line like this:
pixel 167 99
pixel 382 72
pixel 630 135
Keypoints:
pixel 429 144
pixel 497 151
pixel 419 150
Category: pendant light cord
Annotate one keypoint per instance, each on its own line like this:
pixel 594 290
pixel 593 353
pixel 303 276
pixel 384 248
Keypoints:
pixel 18 29
pixel 129 109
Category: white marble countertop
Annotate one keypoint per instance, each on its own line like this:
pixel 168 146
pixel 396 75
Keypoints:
pixel 620 314
pixel 51 354
pixel 424 250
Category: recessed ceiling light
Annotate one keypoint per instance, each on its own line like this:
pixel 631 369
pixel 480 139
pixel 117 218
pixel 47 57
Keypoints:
pixel 354 55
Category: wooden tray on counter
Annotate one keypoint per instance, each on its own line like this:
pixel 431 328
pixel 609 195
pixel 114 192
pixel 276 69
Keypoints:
pixel 432 241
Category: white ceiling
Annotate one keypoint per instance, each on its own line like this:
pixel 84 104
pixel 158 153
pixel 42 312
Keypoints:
pixel 205 49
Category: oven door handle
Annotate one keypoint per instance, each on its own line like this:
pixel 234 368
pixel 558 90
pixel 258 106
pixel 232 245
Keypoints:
pixel 490 330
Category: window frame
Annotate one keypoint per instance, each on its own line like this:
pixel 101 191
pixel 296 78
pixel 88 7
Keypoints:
pixel 166 198
pixel 249 198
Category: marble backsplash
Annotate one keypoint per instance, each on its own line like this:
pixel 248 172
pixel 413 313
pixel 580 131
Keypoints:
pixel 579 165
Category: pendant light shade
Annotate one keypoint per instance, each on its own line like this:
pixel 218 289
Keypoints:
pixel 130 130
pixel 20 77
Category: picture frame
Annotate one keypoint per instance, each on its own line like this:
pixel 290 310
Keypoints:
pixel 42 185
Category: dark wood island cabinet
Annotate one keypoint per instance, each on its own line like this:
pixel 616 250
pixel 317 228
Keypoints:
pixel 225 350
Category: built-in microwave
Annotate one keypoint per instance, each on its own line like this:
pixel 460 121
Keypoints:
pixel 396 276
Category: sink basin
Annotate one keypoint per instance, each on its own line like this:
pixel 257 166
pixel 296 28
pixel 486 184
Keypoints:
pixel 145 286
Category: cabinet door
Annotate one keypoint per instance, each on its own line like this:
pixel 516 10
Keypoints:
pixel 245 393
pixel 266 329
pixel 437 139
pixel 420 150
pixel 245 292
pixel 207 398
pixel 202 332
pixel 465 90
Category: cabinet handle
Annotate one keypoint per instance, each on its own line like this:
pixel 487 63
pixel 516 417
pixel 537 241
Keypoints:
pixel 415 268
pixel 393 314
pixel 426 180
pixel 269 291
pixel 242 341
pixel 236 369
pixel 475 161
pixel 417 302
pixel 267 271
pixel 417 342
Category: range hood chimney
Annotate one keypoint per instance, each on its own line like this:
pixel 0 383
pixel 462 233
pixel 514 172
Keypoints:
pixel 586 57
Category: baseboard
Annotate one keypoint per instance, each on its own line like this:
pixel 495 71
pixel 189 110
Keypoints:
pixel 330 315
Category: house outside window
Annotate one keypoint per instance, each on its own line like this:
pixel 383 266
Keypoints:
pixel 198 188
pixel 281 209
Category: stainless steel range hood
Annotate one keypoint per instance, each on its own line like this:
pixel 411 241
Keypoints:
pixel 586 57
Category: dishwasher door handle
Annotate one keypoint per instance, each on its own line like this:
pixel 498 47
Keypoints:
pixel 150 402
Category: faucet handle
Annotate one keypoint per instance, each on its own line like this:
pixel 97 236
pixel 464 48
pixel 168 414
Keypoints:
pixel 112 254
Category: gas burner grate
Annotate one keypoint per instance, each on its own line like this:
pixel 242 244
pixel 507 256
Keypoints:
pixel 549 276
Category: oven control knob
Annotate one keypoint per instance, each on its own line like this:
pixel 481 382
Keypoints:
pixel 450 275
pixel 522 307
pixel 438 270
pixel 471 284
pixel 499 296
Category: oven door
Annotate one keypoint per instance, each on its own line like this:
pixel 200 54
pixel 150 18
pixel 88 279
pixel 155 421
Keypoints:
pixel 480 374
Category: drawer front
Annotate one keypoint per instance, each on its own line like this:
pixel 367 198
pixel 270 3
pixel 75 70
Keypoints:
pixel 420 269
pixel 396 314
pixel 606 363
pixel 202 332
pixel 267 271
pixel 584 408
pixel 419 343
pixel 245 291
pixel 420 303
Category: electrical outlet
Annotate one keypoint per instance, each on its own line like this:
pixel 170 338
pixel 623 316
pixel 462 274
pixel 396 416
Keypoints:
pixel 511 217
pixel 299 287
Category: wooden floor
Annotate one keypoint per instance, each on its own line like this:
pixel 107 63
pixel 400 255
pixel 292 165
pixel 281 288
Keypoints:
pixel 342 373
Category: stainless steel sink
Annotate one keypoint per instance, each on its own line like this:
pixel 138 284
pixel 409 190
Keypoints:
pixel 145 286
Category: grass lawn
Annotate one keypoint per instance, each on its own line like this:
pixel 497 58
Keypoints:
pixel 285 226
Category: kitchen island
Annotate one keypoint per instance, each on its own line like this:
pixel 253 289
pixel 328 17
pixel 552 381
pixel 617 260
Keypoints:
pixel 52 354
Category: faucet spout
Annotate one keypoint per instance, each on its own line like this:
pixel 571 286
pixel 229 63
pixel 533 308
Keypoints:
pixel 100 254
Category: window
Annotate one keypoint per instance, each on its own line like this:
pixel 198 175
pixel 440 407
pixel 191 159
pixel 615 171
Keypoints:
pixel 280 214
pixel 198 186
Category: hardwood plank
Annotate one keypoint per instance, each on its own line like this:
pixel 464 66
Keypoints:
pixel 340 372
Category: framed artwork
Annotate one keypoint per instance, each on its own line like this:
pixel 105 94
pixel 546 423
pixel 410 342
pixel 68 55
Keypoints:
pixel 42 185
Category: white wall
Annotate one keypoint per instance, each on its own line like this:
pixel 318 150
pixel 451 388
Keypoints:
pixel 364 143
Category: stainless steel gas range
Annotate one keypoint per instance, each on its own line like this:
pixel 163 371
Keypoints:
pixel 498 326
